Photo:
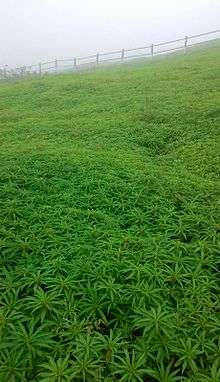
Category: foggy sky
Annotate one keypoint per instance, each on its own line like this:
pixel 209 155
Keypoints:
pixel 37 30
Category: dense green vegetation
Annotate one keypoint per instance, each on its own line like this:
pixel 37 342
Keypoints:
pixel 109 224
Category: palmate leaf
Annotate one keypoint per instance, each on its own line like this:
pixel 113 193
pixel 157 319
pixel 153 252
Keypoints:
pixel 142 346
pixel 187 353
pixel 111 345
pixel 214 374
pixel 63 284
pixel 58 370
pixel 178 255
pixel 207 347
pixel 130 367
pixel 136 271
pixel 86 369
pixel 93 304
pixel 58 266
pixel 86 345
pixel 8 281
pixel 143 293
pixel 175 275
pixel 44 303
pixel 10 301
pixel 161 347
pixel 110 289
pixel 35 279
pixel 8 320
pixel 30 339
pixel 12 366
pixel 70 302
pixel 165 373
pixel 72 328
pixel 154 322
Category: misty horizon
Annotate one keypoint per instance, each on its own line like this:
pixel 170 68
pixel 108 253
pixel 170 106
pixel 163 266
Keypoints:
pixel 34 33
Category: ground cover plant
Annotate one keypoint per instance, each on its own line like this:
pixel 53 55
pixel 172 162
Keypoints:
pixel 110 224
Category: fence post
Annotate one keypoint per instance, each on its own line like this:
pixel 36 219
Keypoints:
pixel 152 50
pixel 122 54
pixel 185 43
pixel 56 65
pixel 97 58
pixel 75 63
pixel 40 68
pixel 5 72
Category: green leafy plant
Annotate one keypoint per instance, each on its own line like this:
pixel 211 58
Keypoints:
pixel 214 373
pixel 56 370
pixel 30 339
pixel 86 368
pixel 188 353
pixel 165 374
pixel 45 303
pixel 130 368
pixel 154 322
pixel 12 366
pixel 109 226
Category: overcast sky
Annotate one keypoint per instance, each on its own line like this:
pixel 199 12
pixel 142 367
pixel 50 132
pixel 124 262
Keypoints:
pixel 35 30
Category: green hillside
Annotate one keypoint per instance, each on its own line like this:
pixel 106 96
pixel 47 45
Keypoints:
pixel 109 193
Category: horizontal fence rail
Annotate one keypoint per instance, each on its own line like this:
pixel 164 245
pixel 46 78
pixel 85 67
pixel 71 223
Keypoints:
pixel 120 56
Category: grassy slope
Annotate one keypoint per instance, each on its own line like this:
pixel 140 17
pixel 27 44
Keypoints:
pixel 109 203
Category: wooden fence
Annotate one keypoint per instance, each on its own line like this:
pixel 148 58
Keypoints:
pixel 120 56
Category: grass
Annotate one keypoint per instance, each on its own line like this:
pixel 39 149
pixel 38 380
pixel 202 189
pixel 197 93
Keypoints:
pixel 110 224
